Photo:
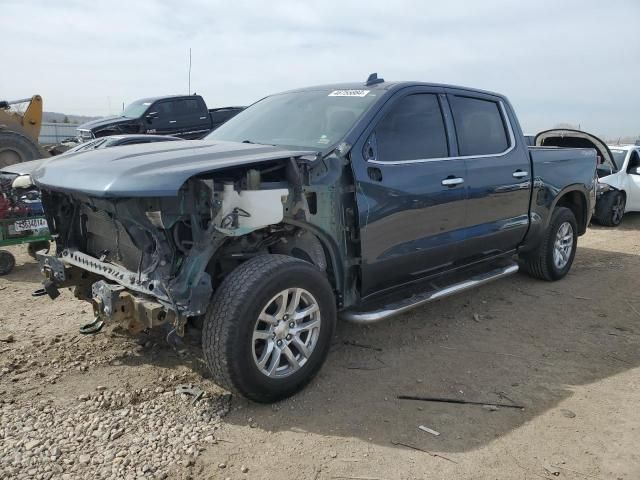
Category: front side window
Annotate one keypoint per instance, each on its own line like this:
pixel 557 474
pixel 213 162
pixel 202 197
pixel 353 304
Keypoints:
pixel 188 106
pixel 136 109
pixel 480 127
pixel 412 130
pixel 166 109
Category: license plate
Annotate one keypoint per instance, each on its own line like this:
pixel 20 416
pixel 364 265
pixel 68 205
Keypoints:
pixel 30 224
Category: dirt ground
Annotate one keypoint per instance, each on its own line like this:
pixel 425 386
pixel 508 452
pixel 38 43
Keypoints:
pixel 569 352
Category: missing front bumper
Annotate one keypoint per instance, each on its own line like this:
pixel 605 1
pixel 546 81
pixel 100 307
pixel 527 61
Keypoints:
pixel 115 303
pixel 111 302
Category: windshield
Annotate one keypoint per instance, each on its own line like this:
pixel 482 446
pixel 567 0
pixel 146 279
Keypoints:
pixel 136 109
pixel 316 119
pixel 618 156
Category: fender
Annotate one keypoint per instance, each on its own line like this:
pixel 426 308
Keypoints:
pixel 543 202
pixel 330 247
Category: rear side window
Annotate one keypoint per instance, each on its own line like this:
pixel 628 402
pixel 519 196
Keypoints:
pixel 480 127
pixel 412 130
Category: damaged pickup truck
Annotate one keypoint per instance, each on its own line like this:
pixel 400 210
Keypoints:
pixel 356 200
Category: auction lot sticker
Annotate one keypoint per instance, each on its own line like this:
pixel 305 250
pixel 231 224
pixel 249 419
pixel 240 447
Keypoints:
pixel 349 93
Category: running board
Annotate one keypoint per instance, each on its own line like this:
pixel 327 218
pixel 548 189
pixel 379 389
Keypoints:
pixel 407 304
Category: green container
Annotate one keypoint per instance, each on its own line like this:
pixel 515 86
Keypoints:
pixel 24 230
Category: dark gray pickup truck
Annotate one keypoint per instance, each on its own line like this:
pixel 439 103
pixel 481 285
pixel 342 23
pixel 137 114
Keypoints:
pixel 358 200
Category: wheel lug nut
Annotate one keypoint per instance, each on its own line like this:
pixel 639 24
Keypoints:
pixel 279 342
pixel 291 325
pixel 288 337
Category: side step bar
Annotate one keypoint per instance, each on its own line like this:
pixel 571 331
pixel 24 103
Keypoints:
pixel 407 304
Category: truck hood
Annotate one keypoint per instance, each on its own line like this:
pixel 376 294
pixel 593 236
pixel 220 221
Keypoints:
pixel 565 137
pixel 149 170
pixel 103 122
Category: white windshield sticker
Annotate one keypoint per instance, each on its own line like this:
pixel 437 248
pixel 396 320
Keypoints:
pixel 349 93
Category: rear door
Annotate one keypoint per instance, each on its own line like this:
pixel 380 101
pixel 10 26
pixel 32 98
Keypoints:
pixel 410 194
pixel 498 180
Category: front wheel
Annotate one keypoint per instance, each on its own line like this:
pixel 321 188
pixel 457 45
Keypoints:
pixel 268 329
pixel 610 209
pixel 552 260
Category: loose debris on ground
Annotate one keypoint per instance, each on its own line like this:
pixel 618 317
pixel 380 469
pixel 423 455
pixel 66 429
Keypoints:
pixel 107 435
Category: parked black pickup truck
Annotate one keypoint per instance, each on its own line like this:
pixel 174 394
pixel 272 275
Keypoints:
pixel 184 116
pixel 357 200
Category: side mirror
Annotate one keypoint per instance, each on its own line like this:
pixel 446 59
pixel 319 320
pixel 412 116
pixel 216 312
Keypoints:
pixel 151 116
pixel 634 170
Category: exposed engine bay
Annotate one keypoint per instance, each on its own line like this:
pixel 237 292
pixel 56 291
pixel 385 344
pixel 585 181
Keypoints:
pixel 152 260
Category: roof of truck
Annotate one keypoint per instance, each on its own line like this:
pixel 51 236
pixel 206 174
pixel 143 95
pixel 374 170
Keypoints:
pixel 164 97
pixel 384 85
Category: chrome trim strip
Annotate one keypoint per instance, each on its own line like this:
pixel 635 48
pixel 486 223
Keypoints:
pixel 448 182
pixel 419 300
pixel 512 142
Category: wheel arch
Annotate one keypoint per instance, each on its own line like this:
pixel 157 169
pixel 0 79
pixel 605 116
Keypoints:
pixel 335 270
pixel 575 200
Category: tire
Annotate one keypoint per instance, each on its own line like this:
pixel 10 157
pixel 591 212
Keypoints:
pixel 610 209
pixel 541 262
pixel 16 148
pixel 230 346
pixel 35 247
pixel 7 262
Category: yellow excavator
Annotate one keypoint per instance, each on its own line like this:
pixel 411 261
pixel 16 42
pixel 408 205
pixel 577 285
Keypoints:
pixel 19 131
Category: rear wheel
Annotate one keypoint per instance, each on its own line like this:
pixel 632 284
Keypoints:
pixel 552 260
pixel 268 329
pixel 610 209
pixel 7 262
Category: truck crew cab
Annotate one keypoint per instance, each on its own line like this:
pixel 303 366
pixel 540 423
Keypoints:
pixel 184 116
pixel 357 201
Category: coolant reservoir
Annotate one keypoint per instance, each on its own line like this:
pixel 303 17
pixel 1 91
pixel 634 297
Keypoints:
pixel 256 208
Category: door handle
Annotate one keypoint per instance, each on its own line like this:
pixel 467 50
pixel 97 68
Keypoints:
pixel 452 181
pixel 520 174
pixel 172 121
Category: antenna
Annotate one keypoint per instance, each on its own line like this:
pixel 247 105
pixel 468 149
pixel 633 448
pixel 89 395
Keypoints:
pixel 189 90
pixel 373 79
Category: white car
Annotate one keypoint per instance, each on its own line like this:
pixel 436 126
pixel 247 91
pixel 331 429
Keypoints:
pixel 619 189
pixel 618 172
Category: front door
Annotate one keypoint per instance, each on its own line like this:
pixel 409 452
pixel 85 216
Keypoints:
pixel 193 117
pixel 498 178
pixel 166 120
pixel 410 194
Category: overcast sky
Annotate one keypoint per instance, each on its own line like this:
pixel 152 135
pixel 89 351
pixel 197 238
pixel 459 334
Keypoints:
pixel 558 61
